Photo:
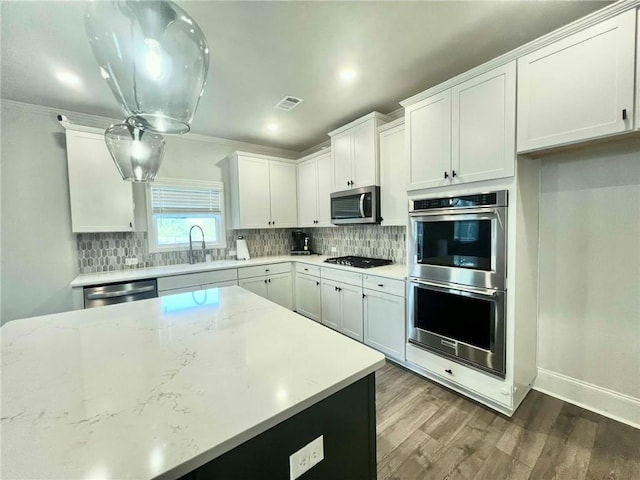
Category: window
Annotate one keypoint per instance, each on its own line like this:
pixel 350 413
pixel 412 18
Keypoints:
pixel 175 206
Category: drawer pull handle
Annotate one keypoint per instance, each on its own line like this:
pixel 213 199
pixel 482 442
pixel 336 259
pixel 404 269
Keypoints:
pixel 448 370
pixel 306 269
pixel 266 269
pixel 624 114
pixel 380 285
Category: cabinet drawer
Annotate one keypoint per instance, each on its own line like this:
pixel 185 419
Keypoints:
pixel 382 284
pixel 308 269
pixel 343 276
pixel 485 385
pixel 193 279
pixel 258 270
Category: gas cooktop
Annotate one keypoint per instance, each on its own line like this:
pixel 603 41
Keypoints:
pixel 359 262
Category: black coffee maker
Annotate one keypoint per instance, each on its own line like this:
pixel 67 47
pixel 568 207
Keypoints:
pixel 301 243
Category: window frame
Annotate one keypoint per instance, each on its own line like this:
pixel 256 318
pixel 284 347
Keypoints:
pixel 152 236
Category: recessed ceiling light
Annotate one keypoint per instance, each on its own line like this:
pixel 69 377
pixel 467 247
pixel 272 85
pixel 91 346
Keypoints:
pixel 69 79
pixel 348 75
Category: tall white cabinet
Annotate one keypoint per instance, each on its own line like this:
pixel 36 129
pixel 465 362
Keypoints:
pixel 100 200
pixel 354 153
pixel 579 87
pixel 314 189
pixel 394 175
pixel 263 191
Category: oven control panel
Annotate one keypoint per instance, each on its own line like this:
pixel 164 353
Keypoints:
pixel 493 199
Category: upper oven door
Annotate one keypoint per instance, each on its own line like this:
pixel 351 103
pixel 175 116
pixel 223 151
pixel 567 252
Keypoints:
pixel 463 246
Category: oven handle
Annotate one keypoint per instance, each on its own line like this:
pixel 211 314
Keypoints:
pixel 441 212
pixel 477 292
pixel 362 204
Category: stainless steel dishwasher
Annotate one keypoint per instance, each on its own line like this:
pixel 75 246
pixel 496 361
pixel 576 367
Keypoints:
pixel 101 295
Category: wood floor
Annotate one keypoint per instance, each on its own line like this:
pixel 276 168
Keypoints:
pixel 428 432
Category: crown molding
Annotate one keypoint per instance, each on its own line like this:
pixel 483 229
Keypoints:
pixel 587 21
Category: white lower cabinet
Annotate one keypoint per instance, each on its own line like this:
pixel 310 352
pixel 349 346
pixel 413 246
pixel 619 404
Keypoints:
pixel 192 282
pixel 195 288
pixel 342 308
pixel 308 298
pixel 271 281
pixel 384 323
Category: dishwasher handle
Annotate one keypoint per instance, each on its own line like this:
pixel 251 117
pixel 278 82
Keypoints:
pixel 120 293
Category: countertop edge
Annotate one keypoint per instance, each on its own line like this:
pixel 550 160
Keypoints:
pixel 219 450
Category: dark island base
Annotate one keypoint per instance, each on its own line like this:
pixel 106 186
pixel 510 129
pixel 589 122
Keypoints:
pixel 347 419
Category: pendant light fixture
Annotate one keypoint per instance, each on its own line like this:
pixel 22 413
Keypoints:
pixel 154 57
pixel 137 153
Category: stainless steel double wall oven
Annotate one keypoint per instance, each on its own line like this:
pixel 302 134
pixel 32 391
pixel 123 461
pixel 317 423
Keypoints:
pixel 457 284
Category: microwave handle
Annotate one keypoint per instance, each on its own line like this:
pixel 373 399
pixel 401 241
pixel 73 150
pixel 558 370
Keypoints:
pixel 362 205
pixel 474 292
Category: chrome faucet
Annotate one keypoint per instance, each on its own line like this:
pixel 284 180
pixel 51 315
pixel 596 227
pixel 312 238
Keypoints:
pixel 191 259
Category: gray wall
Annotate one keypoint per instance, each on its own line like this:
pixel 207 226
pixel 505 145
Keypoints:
pixel 38 248
pixel 589 277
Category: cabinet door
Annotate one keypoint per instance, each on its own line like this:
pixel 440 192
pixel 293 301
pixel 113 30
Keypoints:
pixel 352 320
pixel 257 285
pixel 323 172
pixel 341 160
pixel 384 323
pixel 307 198
pixel 578 87
pixel 280 290
pixel 483 118
pixel 331 308
pixel 284 212
pixel 100 200
pixel 253 192
pixel 308 296
pixel 428 141
pixel 365 155
pixel 393 177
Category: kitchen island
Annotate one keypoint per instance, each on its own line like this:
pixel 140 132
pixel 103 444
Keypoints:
pixel 196 384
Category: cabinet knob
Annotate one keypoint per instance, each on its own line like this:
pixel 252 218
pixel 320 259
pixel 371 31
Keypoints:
pixel 269 280
pixel 624 113
pixel 446 175
pixel 448 370
pixel 317 284
pixel 266 269
pixel 265 280
pixel 364 295
pixel 380 285
pixel 130 224
pixel 335 288
pixel 453 173
pixel 306 269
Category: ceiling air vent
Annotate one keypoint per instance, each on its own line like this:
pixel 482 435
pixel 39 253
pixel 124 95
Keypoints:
pixel 288 103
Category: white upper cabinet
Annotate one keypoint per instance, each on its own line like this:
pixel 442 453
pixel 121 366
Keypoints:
pixel 314 188
pixel 637 119
pixel 428 141
pixel 464 134
pixel 483 116
pixel 263 192
pixel 354 153
pixel 100 200
pixel 578 88
pixel 394 177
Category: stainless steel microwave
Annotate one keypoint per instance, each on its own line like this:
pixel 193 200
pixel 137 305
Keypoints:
pixel 358 205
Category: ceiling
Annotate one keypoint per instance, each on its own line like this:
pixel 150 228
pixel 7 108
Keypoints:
pixel 262 51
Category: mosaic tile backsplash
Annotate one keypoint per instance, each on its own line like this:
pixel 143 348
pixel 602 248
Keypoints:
pixel 102 252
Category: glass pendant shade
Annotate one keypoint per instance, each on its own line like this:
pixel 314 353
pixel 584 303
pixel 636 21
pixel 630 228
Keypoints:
pixel 154 57
pixel 137 153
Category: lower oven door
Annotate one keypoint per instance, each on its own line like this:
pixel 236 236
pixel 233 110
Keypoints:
pixel 463 323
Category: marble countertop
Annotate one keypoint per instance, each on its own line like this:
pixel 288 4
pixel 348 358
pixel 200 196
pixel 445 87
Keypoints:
pixel 397 271
pixel 159 387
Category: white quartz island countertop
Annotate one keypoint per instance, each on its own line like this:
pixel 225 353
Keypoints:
pixel 159 387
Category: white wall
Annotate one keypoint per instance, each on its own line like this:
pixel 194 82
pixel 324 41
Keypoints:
pixel 589 278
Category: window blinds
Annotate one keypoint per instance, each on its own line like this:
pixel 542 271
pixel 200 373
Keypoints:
pixel 186 200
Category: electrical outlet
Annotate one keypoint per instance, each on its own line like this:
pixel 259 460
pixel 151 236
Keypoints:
pixel 131 261
pixel 334 249
pixel 306 457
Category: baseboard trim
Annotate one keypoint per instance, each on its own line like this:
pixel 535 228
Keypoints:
pixel 615 405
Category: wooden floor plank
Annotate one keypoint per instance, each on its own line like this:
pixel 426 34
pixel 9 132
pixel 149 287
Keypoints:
pixel 426 431
pixel 616 452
